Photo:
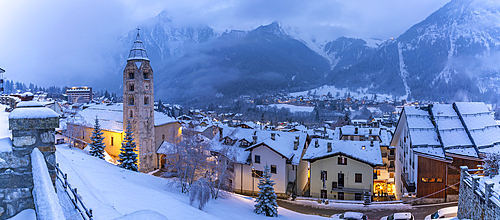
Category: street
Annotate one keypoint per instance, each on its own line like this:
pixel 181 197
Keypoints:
pixel 373 213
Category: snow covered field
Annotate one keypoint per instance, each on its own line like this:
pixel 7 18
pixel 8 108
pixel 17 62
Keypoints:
pixel 356 94
pixel 292 108
pixel 113 192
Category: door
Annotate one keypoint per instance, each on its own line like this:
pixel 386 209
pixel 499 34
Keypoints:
pixel 341 180
pixel 323 194
pixel 341 195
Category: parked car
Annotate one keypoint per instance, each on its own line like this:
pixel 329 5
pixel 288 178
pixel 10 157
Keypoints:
pixel 399 216
pixel 350 216
pixel 444 213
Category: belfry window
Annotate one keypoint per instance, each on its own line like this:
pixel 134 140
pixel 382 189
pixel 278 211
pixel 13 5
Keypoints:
pixel 131 87
pixel 146 100
pixel 131 75
pixel 131 101
pixel 146 75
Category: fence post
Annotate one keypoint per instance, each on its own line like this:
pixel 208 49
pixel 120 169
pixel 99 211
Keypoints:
pixel 475 183
pixel 488 191
pixel 65 180
pixel 463 173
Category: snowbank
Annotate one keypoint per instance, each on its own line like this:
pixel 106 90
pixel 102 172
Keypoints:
pixel 46 200
pixel 4 122
pixel 143 214
pixel 27 214
pixel 5 144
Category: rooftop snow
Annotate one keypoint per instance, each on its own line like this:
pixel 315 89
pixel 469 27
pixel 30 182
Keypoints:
pixel 371 154
pixel 466 108
pixel 432 151
pixel 29 104
pixel 39 112
pixel 350 130
pixel 421 137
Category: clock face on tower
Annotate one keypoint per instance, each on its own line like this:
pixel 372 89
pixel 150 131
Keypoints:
pixel 146 86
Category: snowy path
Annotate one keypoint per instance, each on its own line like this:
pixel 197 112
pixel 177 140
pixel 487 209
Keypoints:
pixel 113 192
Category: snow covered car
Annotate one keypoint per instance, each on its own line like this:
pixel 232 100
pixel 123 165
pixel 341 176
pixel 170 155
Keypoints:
pixel 399 216
pixel 444 213
pixel 350 216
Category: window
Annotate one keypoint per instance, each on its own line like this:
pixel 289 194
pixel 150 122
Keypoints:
pixel 131 114
pixel 323 175
pixel 425 180
pixel 273 169
pixel 162 137
pixel 341 195
pixel 230 182
pixel 378 172
pixel 334 185
pixel 391 164
pixel 131 87
pixel 131 101
pixel 146 100
pixel 391 152
pixel 358 178
pixel 257 159
pixel 257 173
pixel 358 196
pixel 146 75
pixel 391 175
pixel 342 161
pixel 131 75
pixel 112 140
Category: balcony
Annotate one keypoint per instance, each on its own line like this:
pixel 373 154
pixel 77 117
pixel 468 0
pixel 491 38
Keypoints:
pixel 392 157
pixel 410 187
pixel 391 169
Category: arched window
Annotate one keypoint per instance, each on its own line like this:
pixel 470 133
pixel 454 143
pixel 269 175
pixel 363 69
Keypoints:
pixel 131 87
pixel 146 75
pixel 131 75
pixel 146 100
pixel 131 114
pixel 131 101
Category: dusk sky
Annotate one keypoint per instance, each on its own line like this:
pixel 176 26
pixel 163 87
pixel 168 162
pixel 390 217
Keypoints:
pixel 60 42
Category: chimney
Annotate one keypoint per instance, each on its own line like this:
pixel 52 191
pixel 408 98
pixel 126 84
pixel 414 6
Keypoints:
pixel 254 139
pixel 220 134
pixel 273 136
pixel 316 144
pixel 356 130
pixel 296 143
pixel 329 147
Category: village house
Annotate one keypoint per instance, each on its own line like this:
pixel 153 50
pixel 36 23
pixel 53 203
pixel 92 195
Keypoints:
pixel 254 149
pixel 342 170
pixel 433 141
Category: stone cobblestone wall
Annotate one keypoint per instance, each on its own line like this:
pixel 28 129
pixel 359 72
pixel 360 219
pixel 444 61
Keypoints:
pixel 474 203
pixel 16 177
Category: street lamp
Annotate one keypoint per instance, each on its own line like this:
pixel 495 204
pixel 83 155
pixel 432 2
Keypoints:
pixel 253 181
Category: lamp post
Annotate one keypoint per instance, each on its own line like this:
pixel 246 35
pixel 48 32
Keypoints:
pixel 253 181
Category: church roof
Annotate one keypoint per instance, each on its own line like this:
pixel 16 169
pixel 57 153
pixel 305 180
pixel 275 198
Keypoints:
pixel 138 52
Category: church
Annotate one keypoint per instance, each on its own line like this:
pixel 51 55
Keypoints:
pixel 150 128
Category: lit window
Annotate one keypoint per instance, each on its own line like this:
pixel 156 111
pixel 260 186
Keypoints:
pixel 425 180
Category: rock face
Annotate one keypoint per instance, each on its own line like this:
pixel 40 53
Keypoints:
pixel 16 177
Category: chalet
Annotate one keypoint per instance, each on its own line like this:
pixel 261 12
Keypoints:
pixel 254 149
pixel 342 170
pixel 433 141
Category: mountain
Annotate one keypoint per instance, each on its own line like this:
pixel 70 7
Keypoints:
pixel 448 56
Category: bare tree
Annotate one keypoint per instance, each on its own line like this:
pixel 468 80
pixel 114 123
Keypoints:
pixel 187 159
pixel 222 167
pixel 200 190
pixel 74 129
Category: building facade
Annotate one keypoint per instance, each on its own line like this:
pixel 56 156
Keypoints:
pixel 80 94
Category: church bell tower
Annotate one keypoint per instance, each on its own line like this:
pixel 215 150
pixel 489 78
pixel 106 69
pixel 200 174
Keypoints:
pixel 138 107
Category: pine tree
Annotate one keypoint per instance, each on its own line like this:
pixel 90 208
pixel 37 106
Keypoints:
pixel 266 202
pixel 97 146
pixel 128 157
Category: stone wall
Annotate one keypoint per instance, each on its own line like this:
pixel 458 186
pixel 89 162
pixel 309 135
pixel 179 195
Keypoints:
pixel 16 177
pixel 477 201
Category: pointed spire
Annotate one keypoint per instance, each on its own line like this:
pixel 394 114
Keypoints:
pixel 138 52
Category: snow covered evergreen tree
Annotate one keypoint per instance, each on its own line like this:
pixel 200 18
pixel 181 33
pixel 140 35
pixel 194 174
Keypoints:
pixel 128 157
pixel 97 146
pixel 266 202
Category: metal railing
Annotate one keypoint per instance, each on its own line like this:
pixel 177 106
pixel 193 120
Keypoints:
pixel 73 195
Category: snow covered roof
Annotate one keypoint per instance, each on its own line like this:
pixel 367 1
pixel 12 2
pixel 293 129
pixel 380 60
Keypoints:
pixel 480 123
pixel 39 112
pixel 138 52
pixel 283 143
pixel 436 151
pixel 111 117
pixel 165 147
pixel 29 104
pixel 453 134
pixel 351 130
pixel 354 149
